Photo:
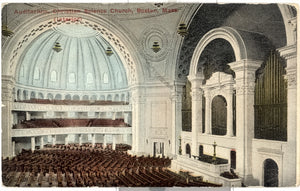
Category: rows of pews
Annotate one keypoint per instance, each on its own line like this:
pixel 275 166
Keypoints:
pixel 54 123
pixel 86 165
pixel 74 102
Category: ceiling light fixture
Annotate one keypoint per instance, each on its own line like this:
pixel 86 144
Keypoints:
pixel 182 29
pixel 155 47
pixel 57 47
pixel 109 51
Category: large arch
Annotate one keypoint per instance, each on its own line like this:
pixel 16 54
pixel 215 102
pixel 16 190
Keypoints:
pixel 118 39
pixel 242 43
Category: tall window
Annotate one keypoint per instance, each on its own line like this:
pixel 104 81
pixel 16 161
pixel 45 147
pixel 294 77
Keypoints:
pixel 53 76
pixel 219 115
pixel 36 74
pixel 271 100
pixel 105 78
pixel 89 78
pixel 72 78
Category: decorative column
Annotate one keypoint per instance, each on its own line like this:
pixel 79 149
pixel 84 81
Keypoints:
pixel 80 139
pixel 41 142
pixel 229 99
pixel 104 142
pixel 292 157
pixel 114 142
pixel 138 127
pixel 176 98
pixel 6 120
pixel 125 117
pixel 207 112
pixel 32 144
pixel 13 148
pixel 53 140
pixel 66 139
pixel 196 93
pixel 93 140
pixel 28 116
pixel 245 84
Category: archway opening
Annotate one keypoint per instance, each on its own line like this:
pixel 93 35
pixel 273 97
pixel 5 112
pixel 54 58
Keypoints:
pixel 219 115
pixel 270 173
pixel 188 150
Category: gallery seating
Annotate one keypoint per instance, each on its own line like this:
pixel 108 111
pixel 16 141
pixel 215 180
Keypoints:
pixel 74 102
pixel 84 165
pixel 56 123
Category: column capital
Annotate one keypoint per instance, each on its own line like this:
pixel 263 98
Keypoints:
pixel 245 66
pixel 196 81
pixel 288 52
pixel 196 94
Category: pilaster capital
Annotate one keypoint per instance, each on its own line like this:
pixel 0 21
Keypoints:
pixel 288 52
pixel 196 81
pixel 246 67
pixel 245 89
pixel 291 78
pixel 7 88
pixel 197 94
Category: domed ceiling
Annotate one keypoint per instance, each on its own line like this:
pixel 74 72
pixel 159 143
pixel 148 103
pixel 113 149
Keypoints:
pixel 81 64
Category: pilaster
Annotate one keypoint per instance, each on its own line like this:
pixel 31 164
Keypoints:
pixel 196 94
pixel 176 97
pixel 7 119
pixel 292 157
pixel 245 85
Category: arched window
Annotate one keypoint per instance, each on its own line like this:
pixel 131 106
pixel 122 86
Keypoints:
pixel 53 76
pixel 233 159
pixel 219 115
pixel 72 78
pixel 200 150
pixel 89 78
pixel 105 78
pixel 36 74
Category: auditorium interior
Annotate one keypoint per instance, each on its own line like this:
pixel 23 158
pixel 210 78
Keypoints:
pixel 149 95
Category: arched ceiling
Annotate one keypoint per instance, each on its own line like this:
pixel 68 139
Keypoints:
pixel 81 64
pixel 264 20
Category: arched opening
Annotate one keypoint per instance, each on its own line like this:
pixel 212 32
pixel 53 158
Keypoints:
pixel 109 98
pixel 68 97
pixel 32 95
pixel 233 159
pixel 200 150
pixel 58 97
pixel 40 96
pixel 270 173
pixel 186 107
pixel 117 97
pixel 49 96
pixel 102 98
pixel 85 97
pixel 93 97
pixel 19 95
pixel 188 150
pixel 219 115
pixel 76 97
